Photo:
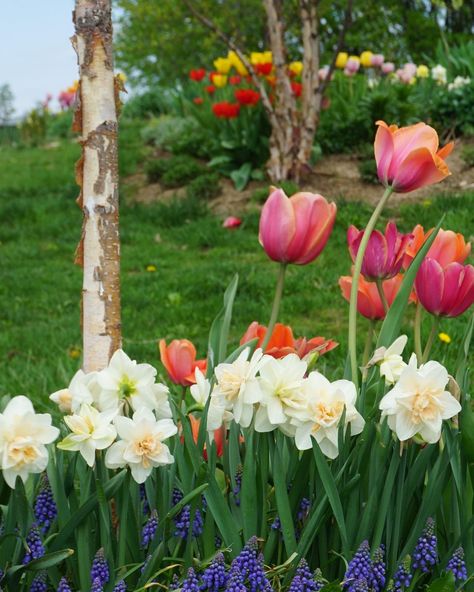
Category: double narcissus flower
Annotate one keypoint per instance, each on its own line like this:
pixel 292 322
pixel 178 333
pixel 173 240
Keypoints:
pixel 295 229
pixel 409 157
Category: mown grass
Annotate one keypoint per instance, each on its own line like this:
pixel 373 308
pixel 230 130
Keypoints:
pixel 194 257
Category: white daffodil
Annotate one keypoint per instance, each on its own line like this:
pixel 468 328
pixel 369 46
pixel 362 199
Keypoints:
pixel 326 402
pixel 91 430
pixel 162 402
pixel 141 446
pixel 438 73
pixel 390 359
pixel 202 389
pixel 419 402
pixel 281 382
pixel 23 436
pixel 125 379
pixel 237 389
pixel 82 389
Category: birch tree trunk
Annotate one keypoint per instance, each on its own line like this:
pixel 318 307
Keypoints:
pixel 97 176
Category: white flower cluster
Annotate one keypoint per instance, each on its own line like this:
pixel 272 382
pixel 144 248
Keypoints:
pixel 96 403
pixel 439 74
pixel 459 82
pixel 277 394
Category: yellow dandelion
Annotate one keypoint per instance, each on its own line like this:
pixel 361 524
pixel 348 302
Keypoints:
pixel 444 338
pixel 151 268
pixel 74 352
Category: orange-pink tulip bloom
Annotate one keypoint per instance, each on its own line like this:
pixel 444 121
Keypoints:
pixel 409 157
pixel 383 257
pixel 448 246
pixel 445 291
pixel 179 359
pixel 295 229
pixel 369 303
pixel 282 341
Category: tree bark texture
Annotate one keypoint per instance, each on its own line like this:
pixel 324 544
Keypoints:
pixel 97 175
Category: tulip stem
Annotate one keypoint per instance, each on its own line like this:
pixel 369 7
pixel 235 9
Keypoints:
pixel 368 348
pixel 429 343
pixel 355 284
pixel 383 299
pixel 417 333
pixel 276 305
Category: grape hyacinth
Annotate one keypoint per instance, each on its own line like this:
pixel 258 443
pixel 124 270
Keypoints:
pixel 97 585
pixel 426 550
pixel 39 583
pixel 143 499
pixel 402 578
pixel 238 485
pixel 214 576
pixel 276 524
pixel 457 565
pixel 63 586
pixel 149 530
pixel 174 585
pixel 359 568
pixel 191 583
pixel 235 583
pixel 304 580
pixel 250 565
pixel 182 520
pixel 303 511
pixel 121 586
pixel 100 569
pixel 378 576
pixel 35 548
pixel 45 509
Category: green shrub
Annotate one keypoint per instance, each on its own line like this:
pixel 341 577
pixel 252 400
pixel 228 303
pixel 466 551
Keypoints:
pixel 153 102
pixel 180 135
pixel 155 169
pixel 204 187
pixel 467 154
pixel 174 171
pixel 368 171
pixel 59 125
pixel 452 110
pixel 180 211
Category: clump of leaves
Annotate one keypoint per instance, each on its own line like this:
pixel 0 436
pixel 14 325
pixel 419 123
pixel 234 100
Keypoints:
pixel 368 171
pixel 204 187
pixel 174 171
pixel 467 154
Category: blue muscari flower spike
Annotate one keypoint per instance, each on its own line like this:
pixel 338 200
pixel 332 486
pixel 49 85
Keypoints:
pixel 305 505
pixel 143 498
pixel 457 565
pixel 304 580
pixel 359 568
pixel 276 524
pixel 402 578
pixel 63 586
pixel 182 520
pixel 250 565
pixel 214 576
pixel 191 583
pixel 378 578
pixel 40 583
pixel 45 509
pixel 97 585
pixel 100 569
pixel 238 485
pixel 174 585
pixel 425 554
pixel 35 548
pixel 120 586
pixel 235 583
pixel 149 530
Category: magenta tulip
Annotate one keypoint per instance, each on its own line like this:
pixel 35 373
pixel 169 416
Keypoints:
pixel 295 229
pixel 384 255
pixel 447 291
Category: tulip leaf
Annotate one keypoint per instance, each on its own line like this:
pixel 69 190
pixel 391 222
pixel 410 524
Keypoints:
pixel 282 501
pixel 445 583
pixel 247 492
pixel 391 326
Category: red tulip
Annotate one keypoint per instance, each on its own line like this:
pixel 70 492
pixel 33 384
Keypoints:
pixel 234 80
pixel 247 96
pixel 210 89
pixel 369 304
pixel 219 436
pixel 295 229
pixel 198 100
pixel 408 157
pixel 297 88
pixel 226 110
pixel 445 292
pixel 383 257
pixel 282 342
pixel 232 222
pixel 263 69
pixel 179 359
pixel 448 246
pixel 197 75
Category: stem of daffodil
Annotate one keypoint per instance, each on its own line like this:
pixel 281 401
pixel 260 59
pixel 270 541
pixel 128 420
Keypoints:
pixel 417 332
pixel 379 284
pixel 276 305
pixel 355 284
pixel 368 348
pixel 429 343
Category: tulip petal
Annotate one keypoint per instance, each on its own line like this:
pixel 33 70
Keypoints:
pixel 429 285
pixel 277 226
pixel 445 151
pixel 383 150
pixel 421 167
pixel 409 139
pixel 316 225
pixel 465 296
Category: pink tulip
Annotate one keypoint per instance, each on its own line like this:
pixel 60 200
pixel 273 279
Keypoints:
pixel 295 229
pixel 232 222
pixel 384 255
pixel 352 67
pixel 445 292
pixel 377 60
pixel 447 247
pixel 179 359
pixel 387 67
pixel 323 72
pixel 408 157
pixel 369 303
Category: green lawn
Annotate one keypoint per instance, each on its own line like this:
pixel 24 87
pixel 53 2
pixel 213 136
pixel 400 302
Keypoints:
pixel 194 256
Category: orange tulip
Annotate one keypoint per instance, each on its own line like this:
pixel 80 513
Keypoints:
pixel 282 342
pixel 369 303
pixel 179 359
pixel 448 246
pixel 219 436
pixel 408 157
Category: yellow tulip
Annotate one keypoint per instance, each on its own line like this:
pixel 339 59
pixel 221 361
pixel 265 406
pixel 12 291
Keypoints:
pixel 237 63
pixel 122 77
pixel 422 71
pixel 355 58
pixel 296 68
pixel 341 59
pixel 223 65
pixel 256 57
pixel 219 80
pixel 267 57
pixel 366 59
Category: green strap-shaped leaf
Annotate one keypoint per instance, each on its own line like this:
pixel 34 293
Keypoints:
pixel 219 332
pixel 283 502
